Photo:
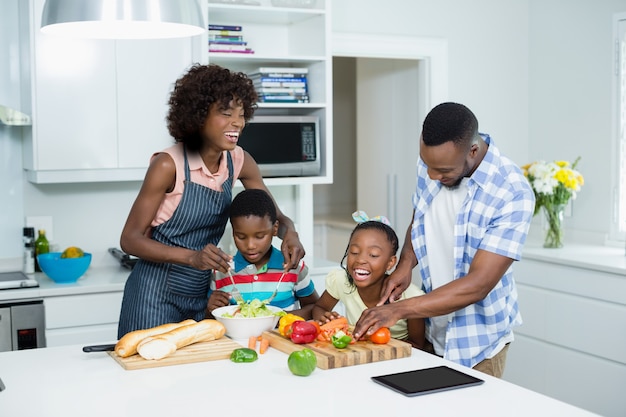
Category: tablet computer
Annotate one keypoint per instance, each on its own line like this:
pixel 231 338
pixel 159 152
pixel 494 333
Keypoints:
pixel 427 381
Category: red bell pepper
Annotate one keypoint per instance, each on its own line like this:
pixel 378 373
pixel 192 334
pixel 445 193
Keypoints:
pixel 302 332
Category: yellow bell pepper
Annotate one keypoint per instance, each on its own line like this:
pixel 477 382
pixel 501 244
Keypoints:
pixel 285 321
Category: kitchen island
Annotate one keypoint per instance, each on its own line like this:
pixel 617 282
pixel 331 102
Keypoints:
pixel 64 381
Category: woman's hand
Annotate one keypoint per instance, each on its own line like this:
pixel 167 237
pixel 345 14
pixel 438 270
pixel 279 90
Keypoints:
pixel 211 257
pixel 292 250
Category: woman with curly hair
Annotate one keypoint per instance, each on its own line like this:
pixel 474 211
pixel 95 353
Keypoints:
pixel 181 210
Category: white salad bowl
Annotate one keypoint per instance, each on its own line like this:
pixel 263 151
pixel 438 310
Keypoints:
pixel 244 327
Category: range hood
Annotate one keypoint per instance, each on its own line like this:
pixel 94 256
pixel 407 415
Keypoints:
pixel 12 117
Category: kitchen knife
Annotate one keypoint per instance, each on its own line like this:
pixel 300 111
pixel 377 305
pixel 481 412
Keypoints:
pixel 99 348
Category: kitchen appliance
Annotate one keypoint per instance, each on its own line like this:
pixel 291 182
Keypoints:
pixel 17 279
pixel 22 325
pixel 284 146
pixel 126 260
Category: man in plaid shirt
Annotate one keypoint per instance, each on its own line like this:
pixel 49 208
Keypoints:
pixel 471 212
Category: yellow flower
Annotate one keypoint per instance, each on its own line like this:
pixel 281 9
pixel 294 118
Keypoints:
pixel 553 183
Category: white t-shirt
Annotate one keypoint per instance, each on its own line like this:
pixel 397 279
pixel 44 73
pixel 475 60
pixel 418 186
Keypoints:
pixel 439 221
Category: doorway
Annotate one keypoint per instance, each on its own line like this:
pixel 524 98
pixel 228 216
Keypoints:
pixel 383 87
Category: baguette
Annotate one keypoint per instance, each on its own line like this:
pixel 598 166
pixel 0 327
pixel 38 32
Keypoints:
pixel 127 345
pixel 160 346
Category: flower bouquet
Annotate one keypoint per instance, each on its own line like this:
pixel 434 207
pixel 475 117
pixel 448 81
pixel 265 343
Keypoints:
pixel 553 183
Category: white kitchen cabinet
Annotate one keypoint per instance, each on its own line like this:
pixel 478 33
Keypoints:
pixel 98 106
pixel 572 345
pixel 82 318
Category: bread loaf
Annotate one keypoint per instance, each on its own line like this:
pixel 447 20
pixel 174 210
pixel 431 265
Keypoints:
pixel 127 345
pixel 162 345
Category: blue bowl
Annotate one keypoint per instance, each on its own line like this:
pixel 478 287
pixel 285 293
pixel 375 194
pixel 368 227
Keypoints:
pixel 63 270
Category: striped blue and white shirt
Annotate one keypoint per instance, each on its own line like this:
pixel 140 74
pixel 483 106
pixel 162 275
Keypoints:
pixel 260 283
pixel 495 216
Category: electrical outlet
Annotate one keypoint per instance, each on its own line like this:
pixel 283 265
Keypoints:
pixel 41 222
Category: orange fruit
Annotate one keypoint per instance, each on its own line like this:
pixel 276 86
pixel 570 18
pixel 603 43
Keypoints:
pixel 73 252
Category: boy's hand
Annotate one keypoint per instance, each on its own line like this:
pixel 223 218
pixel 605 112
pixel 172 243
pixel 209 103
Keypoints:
pixel 217 299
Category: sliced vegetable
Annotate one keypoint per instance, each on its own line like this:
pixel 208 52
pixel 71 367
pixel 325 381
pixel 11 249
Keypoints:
pixel 243 355
pixel 340 340
pixel 285 321
pixel 327 330
pixel 301 332
pixel 339 322
pixel 302 362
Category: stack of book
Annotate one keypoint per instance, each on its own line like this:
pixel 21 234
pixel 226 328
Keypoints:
pixel 281 85
pixel 227 38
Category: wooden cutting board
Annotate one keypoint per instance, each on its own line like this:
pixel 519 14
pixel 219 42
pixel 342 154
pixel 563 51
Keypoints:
pixel 198 352
pixel 329 357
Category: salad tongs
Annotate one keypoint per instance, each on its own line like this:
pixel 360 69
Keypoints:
pixel 235 291
pixel 271 297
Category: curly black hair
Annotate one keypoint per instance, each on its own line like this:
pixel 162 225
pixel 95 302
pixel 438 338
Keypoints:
pixel 196 91
pixel 392 237
pixel 253 202
pixel 449 122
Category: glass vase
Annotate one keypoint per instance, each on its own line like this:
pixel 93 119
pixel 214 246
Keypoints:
pixel 553 216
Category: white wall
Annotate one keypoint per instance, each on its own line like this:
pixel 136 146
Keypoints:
pixel 570 67
pixel 488 51
pixel 537 74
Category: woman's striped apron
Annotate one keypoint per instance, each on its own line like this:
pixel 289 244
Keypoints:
pixel 158 293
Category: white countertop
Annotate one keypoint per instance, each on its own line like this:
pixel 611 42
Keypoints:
pixel 65 382
pixel 101 279
pixel 95 280
pixel 593 257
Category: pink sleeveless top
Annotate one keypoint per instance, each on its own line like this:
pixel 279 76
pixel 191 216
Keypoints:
pixel 199 174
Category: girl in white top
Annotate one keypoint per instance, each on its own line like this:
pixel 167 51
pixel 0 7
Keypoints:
pixel 370 254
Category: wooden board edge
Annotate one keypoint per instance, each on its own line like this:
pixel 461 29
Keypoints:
pixel 132 363
pixel 326 360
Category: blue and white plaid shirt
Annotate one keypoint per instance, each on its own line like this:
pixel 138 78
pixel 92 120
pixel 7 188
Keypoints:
pixel 495 216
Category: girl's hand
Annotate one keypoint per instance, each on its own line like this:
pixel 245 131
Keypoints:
pixel 211 257
pixel 328 316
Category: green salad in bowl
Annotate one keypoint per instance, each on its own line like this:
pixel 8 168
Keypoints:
pixel 254 308
pixel 248 319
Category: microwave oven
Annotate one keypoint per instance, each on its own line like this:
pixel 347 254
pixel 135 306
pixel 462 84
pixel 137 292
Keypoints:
pixel 283 146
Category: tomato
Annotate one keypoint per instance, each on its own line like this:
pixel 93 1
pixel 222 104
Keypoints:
pixel 381 336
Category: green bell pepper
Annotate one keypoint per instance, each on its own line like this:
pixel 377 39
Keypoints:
pixel 243 355
pixel 302 362
pixel 340 340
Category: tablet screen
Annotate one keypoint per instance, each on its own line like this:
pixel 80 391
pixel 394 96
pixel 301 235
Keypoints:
pixel 426 381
